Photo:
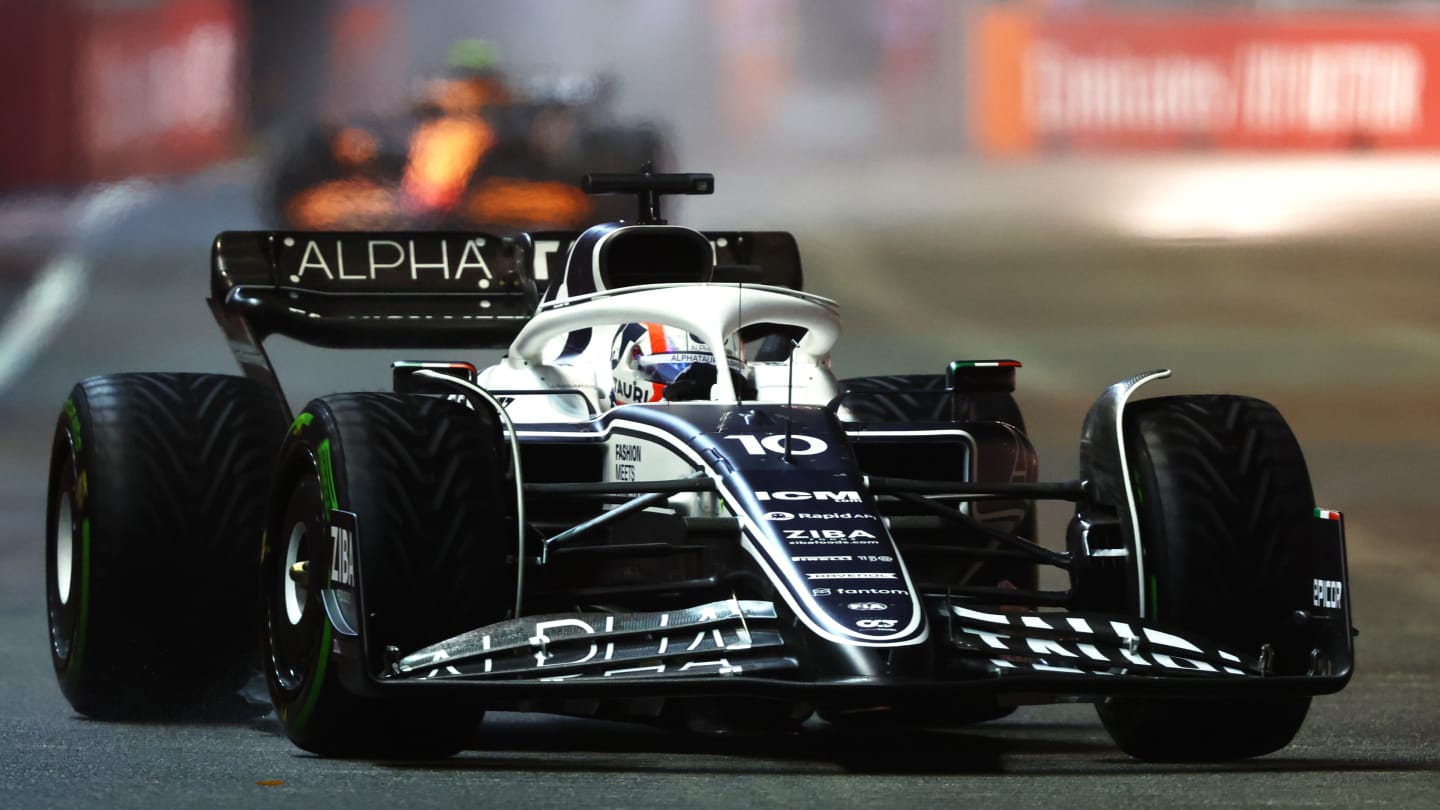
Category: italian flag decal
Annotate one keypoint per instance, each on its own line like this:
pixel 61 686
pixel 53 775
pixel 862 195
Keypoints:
pixel 1327 514
pixel 985 364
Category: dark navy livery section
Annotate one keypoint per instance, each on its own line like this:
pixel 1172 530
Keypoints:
pixel 789 475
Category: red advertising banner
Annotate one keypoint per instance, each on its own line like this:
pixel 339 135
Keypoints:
pixel 158 87
pixel 1150 80
pixel 103 91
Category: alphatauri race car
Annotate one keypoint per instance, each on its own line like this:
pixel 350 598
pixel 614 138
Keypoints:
pixel 661 504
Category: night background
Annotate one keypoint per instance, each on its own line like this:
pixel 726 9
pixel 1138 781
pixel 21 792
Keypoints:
pixel 1246 193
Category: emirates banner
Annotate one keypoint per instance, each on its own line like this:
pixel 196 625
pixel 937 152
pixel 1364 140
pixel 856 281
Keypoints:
pixel 1154 80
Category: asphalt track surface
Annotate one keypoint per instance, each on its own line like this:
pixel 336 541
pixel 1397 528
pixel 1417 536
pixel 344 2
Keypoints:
pixel 1335 317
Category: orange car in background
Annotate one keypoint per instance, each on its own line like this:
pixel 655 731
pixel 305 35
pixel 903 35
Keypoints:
pixel 474 152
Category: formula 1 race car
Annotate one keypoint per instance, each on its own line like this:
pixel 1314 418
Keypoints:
pixel 476 150
pixel 661 504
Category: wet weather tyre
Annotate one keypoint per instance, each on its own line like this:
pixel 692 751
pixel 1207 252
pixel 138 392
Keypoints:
pixel 1224 502
pixel 157 492
pixel 424 479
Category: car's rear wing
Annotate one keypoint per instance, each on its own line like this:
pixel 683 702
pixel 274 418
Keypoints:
pixel 416 290
pixel 756 257
pixel 375 290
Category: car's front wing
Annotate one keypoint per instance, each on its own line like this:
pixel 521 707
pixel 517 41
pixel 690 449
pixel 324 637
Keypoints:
pixel 742 647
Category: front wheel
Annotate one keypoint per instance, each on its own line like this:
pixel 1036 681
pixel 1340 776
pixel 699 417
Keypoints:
pixel 1224 503
pixel 396 503
pixel 157 492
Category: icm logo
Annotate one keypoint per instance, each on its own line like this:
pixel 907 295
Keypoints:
pixel 876 624
pixel 779 516
pixel 867 606
pixel 840 496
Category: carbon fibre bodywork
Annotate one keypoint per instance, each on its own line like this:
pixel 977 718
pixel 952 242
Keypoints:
pixel 842 543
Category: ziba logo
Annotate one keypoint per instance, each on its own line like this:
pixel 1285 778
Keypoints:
pixel 342 557
pixel 827 534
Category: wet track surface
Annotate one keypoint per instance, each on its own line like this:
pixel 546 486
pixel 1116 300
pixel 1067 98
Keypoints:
pixel 1337 327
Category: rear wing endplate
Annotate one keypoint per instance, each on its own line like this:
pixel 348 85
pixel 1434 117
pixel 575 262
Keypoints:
pixel 367 291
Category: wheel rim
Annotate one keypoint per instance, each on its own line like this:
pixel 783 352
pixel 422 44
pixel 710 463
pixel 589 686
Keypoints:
pixel 293 612
pixel 64 548
pixel 295 589
pixel 62 595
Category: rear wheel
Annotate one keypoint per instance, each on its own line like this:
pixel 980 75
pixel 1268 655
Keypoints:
pixel 1224 502
pixel 423 478
pixel 906 398
pixel 156 495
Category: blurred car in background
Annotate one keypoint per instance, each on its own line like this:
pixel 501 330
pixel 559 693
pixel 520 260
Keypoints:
pixel 476 149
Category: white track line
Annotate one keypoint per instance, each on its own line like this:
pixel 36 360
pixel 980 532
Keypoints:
pixel 46 304
pixel 56 293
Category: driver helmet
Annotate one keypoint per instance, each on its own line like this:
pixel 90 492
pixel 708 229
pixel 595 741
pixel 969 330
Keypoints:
pixel 651 362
